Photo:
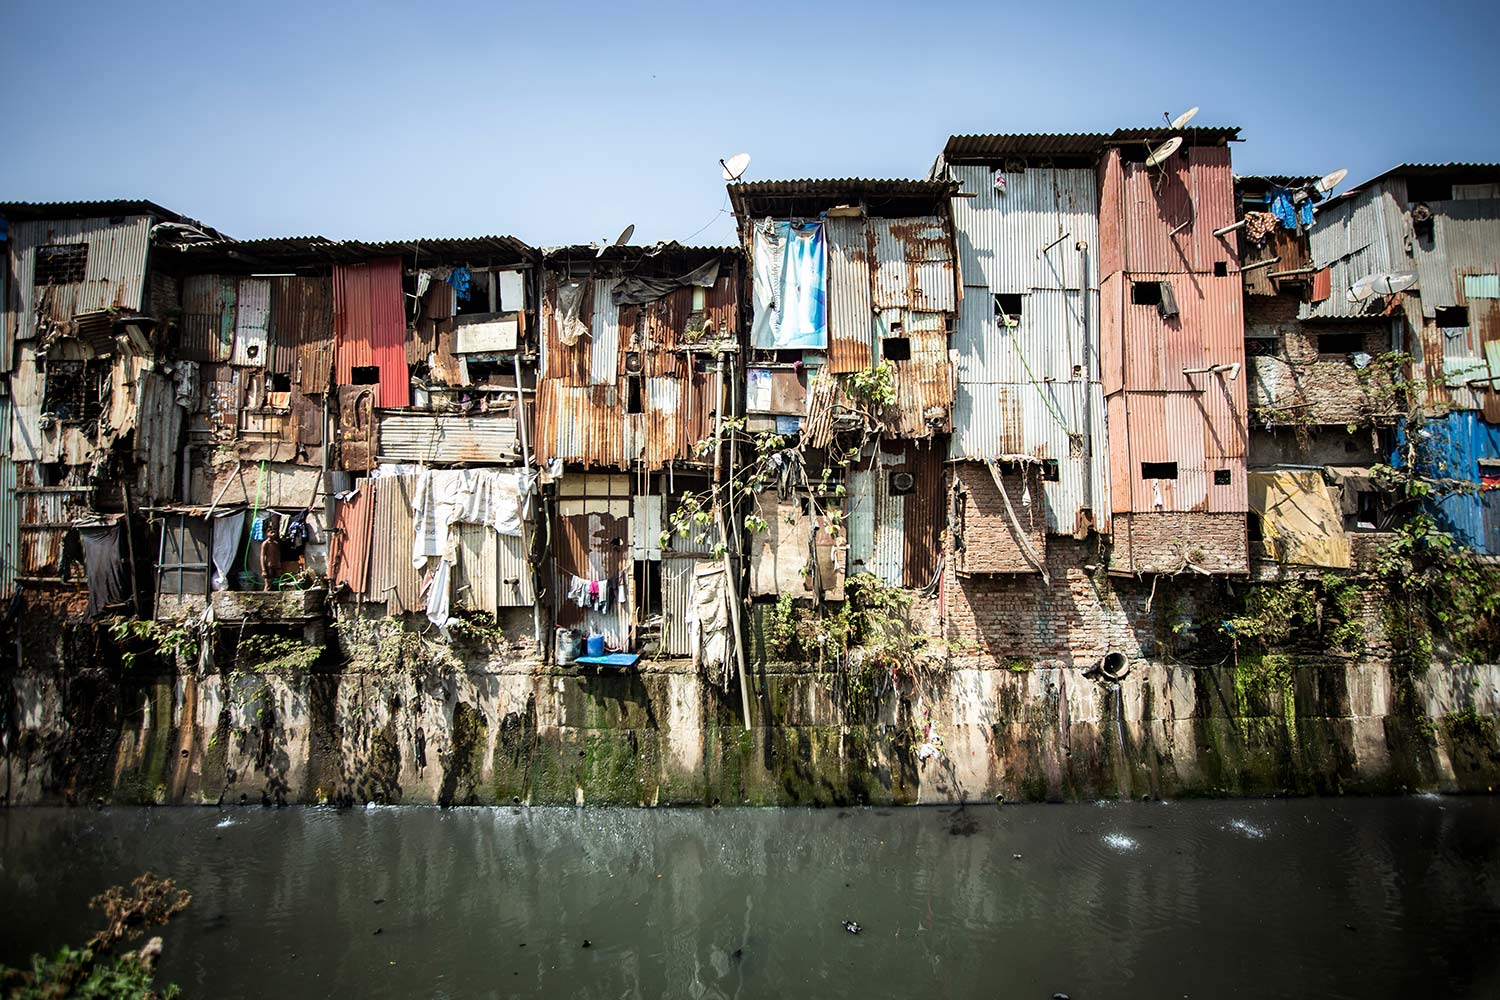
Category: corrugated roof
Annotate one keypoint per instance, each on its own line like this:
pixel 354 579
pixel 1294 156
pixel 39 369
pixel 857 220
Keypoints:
pixel 21 211
pixel 809 197
pixel 1024 144
pixel 1484 171
pixel 302 251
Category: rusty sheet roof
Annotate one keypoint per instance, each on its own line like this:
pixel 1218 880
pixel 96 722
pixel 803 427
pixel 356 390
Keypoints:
pixel 21 211
pixel 1074 145
pixel 320 251
pixel 811 197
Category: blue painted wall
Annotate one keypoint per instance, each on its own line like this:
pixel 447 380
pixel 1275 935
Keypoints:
pixel 1451 448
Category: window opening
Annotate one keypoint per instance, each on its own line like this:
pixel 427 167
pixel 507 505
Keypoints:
pixel 1428 189
pixel 1158 470
pixel 1340 343
pixel 633 394
pixel 896 349
pixel 1145 293
pixel 1221 269
pixel 1221 477
pixel 1008 308
pixel 60 264
pixel 1451 317
pixel 1050 472
pixel 364 375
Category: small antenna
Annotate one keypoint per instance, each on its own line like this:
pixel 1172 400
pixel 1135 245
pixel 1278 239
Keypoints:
pixel 735 166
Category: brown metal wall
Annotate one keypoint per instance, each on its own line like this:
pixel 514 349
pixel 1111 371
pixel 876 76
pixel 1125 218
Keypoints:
pixel 353 524
pixel 567 365
pixel 1140 206
pixel 207 318
pixel 923 519
pixel 392 578
pixel 302 331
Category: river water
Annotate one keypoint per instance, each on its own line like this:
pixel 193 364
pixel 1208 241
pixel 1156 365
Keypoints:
pixel 1281 898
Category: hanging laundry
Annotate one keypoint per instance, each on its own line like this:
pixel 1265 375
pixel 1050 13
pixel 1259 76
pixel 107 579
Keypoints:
pixel 462 283
pixel 790 286
pixel 104 566
pixel 1285 209
pixel 708 621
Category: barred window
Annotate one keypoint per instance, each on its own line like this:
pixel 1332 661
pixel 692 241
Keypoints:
pixel 60 264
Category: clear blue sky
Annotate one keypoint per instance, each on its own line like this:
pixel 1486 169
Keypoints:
pixel 560 123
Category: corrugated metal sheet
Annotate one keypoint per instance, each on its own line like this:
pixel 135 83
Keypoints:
pixel 1053 335
pixel 850 312
pixel 158 431
pixel 302 331
pixel 1148 352
pixel 446 438
pixel 1063 422
pixel 46 515
pixel 10 510
pixel 1167 214
pixel 252 323
pixel 1001 237
pixel 571 366
pixel 354 523
pixel 492 572
pixel 913 261
pixel 369 323
pixel 1482 286
pixel 208 306
pixel 924 386
pixel 1351 238
pixel 595 545
pixel 676 597
pixel 580 424
pixel 68 443
pixel 392 577
pixel 605 366
pixel 114 273
pixel 1451 448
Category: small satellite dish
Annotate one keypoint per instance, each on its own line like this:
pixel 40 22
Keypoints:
pixel 735 166
pixel 1185 117
pixel 620 240
pixel 1380 284
pixel 1331 181
pixel 1162 152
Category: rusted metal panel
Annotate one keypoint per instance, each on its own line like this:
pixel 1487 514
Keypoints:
pixel 1167 214
pixel 446 438
pixel 569 365
pixel 436 316
pixel 354 523
pixel 1027 235
pixel 208 304
pixel 924 398
pixel 158 429
pixel 392 577
pixel 851 322
pixel 113 274
pixel 46 515
pixel 492 571
pixel 677 590
pixel 252 324
pixel 580 424
pixel 605 365
pixel 924 521
pixel 357 429
pixel 369 323
pixel 1353 238
pixel 1208 330
pixel 10 511
pixel 912 265
pixel 723 300
pixel 302 331
pixel 1289 249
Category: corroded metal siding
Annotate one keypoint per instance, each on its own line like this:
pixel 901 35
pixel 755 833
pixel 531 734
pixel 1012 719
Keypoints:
pixel 10 510
pixel 392 577
pixel 677 591
pixel 302 331
pixel 45 518
pixel 114 273
pixel 492 572
pixel 589 425
pixel 913 265
pixel 446 438
pixel 252 323
pixel 369 323
pixel 605 366
pixel 580 424
pixel 1352 238
pixel 158 430
pixel 1053 335
pixel 850 312
pixel 571 366
pixel 1162 218
pixel 1209 330
pixel 353 526
pixel 208 314
pixel 1002 237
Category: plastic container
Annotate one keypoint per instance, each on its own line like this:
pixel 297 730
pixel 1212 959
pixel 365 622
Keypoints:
pixel 567 644
pixel 596 645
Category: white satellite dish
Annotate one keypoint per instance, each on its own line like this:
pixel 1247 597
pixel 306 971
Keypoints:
pixel 735 166
pixel 620 240
pixel 1380 284
pixel 1185 117
pixel 1162 152
pixel 1331 181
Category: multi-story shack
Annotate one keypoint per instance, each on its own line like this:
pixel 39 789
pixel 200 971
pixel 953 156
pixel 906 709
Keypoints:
pixel 1410 259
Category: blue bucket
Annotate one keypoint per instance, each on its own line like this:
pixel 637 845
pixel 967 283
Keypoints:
pixel 596 645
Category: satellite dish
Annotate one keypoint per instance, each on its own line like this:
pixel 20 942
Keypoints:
pixel 1331 181
pixel 1185 117
pixel 620 240
pixel 1380 284
pixel 1166 149
pixel 735 166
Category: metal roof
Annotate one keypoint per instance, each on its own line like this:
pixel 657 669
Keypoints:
pixel 21 211
pixel 810 197
pixel 1476 171
pixel 312 251
pixel 1078 145
pixel 633 253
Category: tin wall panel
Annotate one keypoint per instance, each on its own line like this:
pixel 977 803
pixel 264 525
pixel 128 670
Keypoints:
pixel 208 312
pixel 45 517
pixel 1003 238
pixel 1465 240
pixel 1169 213
pixel 302 331
pixel 913 265
pixel 10 511
pixel 369 322
pixel 861 521
pixel 605 367
pixel 572 366
pixel 677 591
pixel 1352 239
pixel 850 312
pixel 354 523
pixel 158 432
pixel 1209 330
pixel 888 557
pixel 252 323
pixel 392 577
pixel 114 273
pixel 446 438
pixel 1051 336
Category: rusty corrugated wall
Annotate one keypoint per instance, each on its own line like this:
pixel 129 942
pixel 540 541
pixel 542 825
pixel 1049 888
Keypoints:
pixel 114 272
pixel 302 331
pixel 392 578
pixel 443 438
pixel 353 525
pixel 208 313
pixel 851 320
pixel 369 323
pixel 1162 218
pixel 10 510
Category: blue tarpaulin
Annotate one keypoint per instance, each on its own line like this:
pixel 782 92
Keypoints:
pixel 790 286
pixel 1452 447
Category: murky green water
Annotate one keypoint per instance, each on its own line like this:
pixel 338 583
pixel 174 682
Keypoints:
pixel 1303 898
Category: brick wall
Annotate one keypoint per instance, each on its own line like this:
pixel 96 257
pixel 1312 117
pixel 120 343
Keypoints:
pixel 990 541
pixel 1308 385
pixel 1167 542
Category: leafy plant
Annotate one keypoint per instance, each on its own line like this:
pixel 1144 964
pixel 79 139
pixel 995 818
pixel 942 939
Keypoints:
pixel 875 386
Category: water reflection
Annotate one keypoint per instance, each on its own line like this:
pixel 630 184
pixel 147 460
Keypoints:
pixel 1359 898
